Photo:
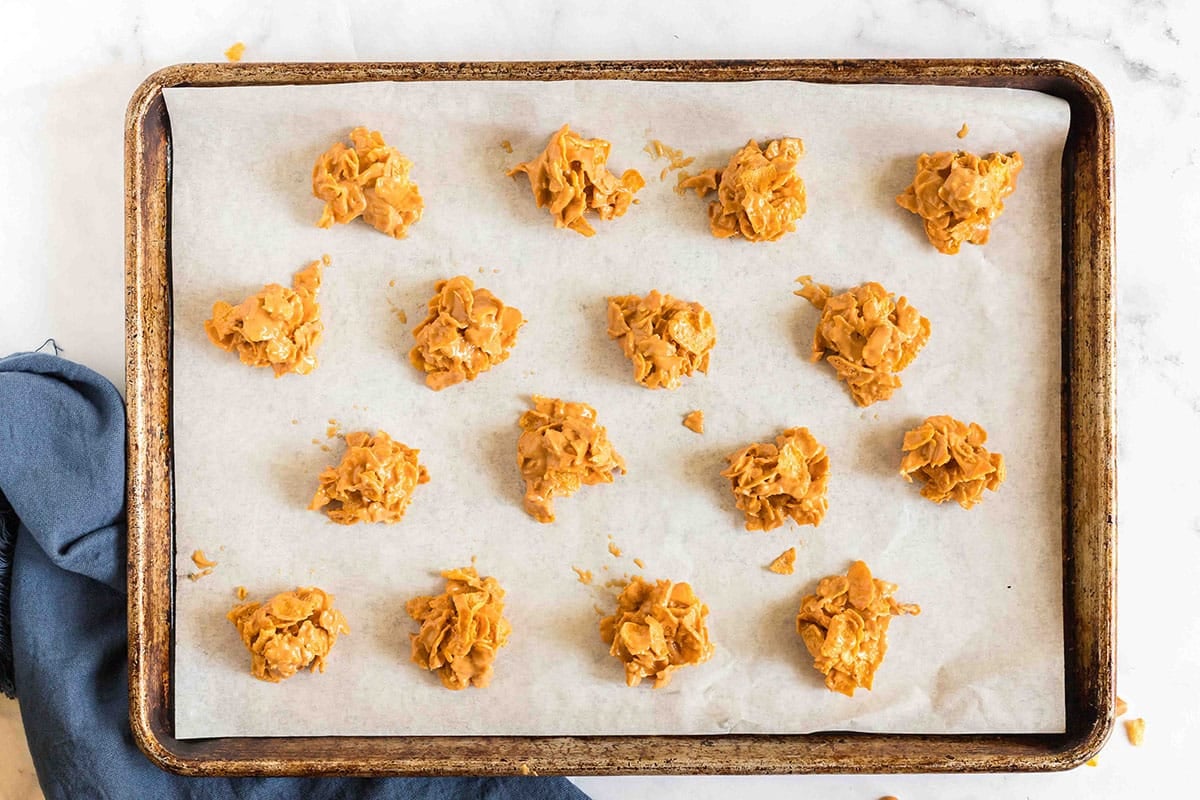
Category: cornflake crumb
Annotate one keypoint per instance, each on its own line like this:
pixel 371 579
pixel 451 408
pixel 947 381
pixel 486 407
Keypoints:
pixel 402 316
pixel 675 157
pixel 640 563
pixel 1135 731
pixel 506 146
pixel 585 575
pixel 694 421
pixel 235 52
pixel 241 592
pixel 784 563
pixel 461 629
pixel 195 576
pixel 316 441
pixel 963 131
pixel 1122 707
pixel 949 458
pixel 612 548
pixel 295 422
pixel 656 629
pixel 201 561
pixel 1093 762
pixel 333 429
pixel 392 283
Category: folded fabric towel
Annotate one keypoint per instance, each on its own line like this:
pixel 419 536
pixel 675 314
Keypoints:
pixel 62 607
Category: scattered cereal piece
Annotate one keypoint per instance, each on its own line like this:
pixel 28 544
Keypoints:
pixel 333 429
pixel 295 422
pixel 665 338
pixel 1135 731
pixel 675 157
pixel 844 626
pixel 289 632
pixel 694 421
pixel 1122 707
pixel 963 131
pixel 326 448
pixel 467 331
pixel 585 575
pixel 506 146
pixel 241 592
pixel 612 548
pixel 392 283
pixel 201 561
pixel 959 195
pixel 373 483
pixel 772 482
pixel 640 564
pixel 561 448
pixel 402 316
pixel 657 628
pixel 571 176
pixel 316 441
pixel 461 629
pixel 784 563
pixel 1093 762
pixel 759 194
pixel 204 573
pixel 278 327
pixel 866 336
pixel 235 52
pixel 525 770
pixel 370 180
pixel 949 458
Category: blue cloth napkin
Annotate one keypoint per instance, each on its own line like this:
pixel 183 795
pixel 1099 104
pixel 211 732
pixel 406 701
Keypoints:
pixel 62 607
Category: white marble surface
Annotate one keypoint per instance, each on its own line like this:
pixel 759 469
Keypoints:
pixel 68 68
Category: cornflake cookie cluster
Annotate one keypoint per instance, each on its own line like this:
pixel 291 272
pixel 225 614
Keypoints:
pixel 949 459
pixel 561 448
pixel 369 179
pixel 772 482
pixel 373 483
pixel 467 331
pixel 657 628
pixel 290 632
pixel 844 626
pixel 461 629
pixel 663 337
pixel 571 177
pixel 759 194
pixel 278 327
pixel 866 335
pixel 960 194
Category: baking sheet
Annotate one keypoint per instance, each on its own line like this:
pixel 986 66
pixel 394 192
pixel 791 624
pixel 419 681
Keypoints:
pixel 986 655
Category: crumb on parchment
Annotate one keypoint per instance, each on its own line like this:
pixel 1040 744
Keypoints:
pixel 235 52
pixel 784 563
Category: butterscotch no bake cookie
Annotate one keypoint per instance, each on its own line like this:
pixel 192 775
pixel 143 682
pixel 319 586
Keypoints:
pixel 960 194
pixel 290 632
pixel 368 179
pixel 278 327
pixel 948 457
pixel 844 626
pixel 663 337
pixel 772 482
pixel 461 629
pixel 466 331
pixel 866 335
pixel 571 177
pixel 373 483
pixel 562 447
pixel 759 194
pixel 656 629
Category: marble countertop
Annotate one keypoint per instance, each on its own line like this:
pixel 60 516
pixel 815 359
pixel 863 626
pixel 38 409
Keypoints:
pixel 67 70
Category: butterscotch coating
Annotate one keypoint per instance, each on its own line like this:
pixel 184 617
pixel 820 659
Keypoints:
pixel 759 194
pixel 866 335
pixel 290 632
pixel 844 627
pixel 960 194
pixel 370 179
pixel 562 447
pixel 664 338
pixel 948 458
pixel 374 482
pixel 461 629
pixel 656 629
pixel 467 331
pixel 571 177
pixel 277 327
pixel 775 482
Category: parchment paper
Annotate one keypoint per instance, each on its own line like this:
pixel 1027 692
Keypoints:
pixel 985 656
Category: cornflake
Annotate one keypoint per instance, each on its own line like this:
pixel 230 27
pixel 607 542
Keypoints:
pixel 959 195
pixel 373 483
pixel 866 336
pixel 759 194
pixel 949 458
pixel 772 482
pixel 664 338
pixel 694 421
pixel 657 628
pixel 562 448
pixel 844 626
pixel 461 629
pixel 784 563
pixel 369 179
pixel 290 632
pixel 466 332
pixel 1135 731
pixel 278 327
pixel 571 176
